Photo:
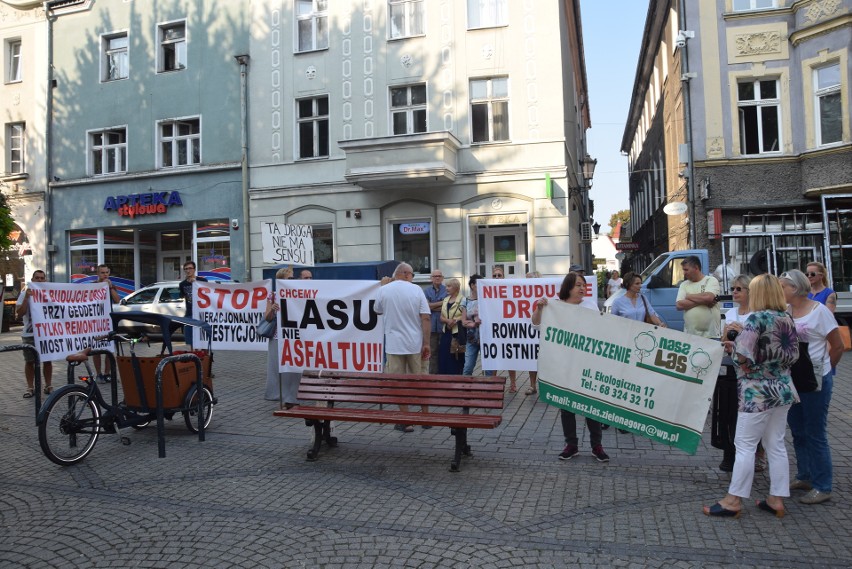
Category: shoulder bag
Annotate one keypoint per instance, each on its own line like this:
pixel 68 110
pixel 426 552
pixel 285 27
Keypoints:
pixel 647 319
pixel 803 371
pixel 266 328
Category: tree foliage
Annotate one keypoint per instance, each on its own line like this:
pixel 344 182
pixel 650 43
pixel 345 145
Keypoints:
pixel 7 224
pixel 623 216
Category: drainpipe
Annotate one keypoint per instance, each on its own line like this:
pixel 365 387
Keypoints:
pixel 49 247
pixel 685 76
pixel 243 60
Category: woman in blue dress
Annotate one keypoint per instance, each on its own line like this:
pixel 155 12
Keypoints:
pixel 632 304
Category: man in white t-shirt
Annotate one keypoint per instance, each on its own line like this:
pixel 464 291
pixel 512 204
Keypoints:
pixel 697 298
pixel 407 326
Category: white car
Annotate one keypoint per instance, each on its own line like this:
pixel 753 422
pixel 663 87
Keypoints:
pixel 158 298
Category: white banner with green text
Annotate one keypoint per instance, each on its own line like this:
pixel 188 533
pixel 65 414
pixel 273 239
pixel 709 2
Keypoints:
pixel 655 382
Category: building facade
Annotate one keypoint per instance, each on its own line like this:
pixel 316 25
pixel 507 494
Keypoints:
pixel 740 111
pixel 447 134
pixel 145 139
pixel 23 174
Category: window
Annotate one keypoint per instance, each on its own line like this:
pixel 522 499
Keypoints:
pixel 312 24
pixel 406 18
pixel 486 13
pixel 312 118
pixel 13 57
pixel 743 5
pixel 15 148
pixel 323 243
pixel 829 115
pixel 408 109
pixel 108 151
pixel 759 110
pixel 172 39
pixel 180 143
pixel 115 61
pixel 489 109
pixel 412 244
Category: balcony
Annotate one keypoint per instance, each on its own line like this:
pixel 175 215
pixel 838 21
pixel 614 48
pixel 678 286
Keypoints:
pixel 421 160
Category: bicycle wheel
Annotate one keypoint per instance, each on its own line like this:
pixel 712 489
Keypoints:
pixel 69 426
pixel 191 404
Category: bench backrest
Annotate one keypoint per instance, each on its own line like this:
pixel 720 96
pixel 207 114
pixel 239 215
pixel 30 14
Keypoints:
pixel 434 390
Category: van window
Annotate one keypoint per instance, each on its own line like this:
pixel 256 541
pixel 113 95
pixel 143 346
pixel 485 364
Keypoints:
pixel 671 274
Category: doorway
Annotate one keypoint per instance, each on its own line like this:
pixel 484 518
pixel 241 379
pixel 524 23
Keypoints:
pixel 171 265
pixel 503 247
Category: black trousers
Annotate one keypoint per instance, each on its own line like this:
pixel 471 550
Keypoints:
pixel 569 429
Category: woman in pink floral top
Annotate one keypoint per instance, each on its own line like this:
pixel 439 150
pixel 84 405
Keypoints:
pixel 765 350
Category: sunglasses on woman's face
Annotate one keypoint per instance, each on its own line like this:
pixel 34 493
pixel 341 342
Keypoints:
pixel 739 288
pixel 812 274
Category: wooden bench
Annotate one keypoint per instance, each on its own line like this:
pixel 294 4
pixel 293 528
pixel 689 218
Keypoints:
pixel 453 402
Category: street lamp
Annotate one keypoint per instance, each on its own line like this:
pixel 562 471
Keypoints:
pixel 588 164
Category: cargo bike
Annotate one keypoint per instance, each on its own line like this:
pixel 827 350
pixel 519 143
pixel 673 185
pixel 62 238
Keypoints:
pixel 154 389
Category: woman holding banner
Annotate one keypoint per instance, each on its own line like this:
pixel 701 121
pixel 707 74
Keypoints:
pixel 763 351
pixel 451 318
pixel 471 322
pixel 281 386
pixel 573 291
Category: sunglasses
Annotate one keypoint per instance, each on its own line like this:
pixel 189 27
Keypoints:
pixel 739 288
pixel 497 276
pixel 813 274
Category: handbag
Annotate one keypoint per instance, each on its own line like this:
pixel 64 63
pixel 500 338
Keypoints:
pixel 802 371
pixel 647 319
pixel 845 337
pixel 266 329
pixel 456 348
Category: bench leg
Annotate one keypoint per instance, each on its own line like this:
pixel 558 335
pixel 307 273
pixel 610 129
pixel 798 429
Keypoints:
pixel 322 432
pixel 462 448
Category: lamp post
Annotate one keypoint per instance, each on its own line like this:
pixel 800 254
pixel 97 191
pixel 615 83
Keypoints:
pixel 587 167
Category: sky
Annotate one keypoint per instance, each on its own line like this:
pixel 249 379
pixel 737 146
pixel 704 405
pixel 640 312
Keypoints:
pixel 612 33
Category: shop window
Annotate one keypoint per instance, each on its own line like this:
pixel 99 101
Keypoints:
pixel 760 116
pixel 408 109
pixel 15 146
pixel 323 243
pixel 14 67
pixel 487 13
pixel 114 57
pixel 406 18
pixel 312 119
pixel 411 242
pixel 312 25
pixel 108 151
pixel 829 120
pixel 489 109
pixel 213 243
pixel 172 39
pixel 180 143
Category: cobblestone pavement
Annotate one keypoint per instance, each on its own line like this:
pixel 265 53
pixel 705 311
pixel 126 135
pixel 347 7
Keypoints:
pixel 246 497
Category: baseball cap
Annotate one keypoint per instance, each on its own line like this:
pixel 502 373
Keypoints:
pixel 575 268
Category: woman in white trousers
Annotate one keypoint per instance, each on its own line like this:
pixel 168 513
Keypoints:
pixel 765 349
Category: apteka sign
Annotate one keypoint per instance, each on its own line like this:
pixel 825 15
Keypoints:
pixel 143 204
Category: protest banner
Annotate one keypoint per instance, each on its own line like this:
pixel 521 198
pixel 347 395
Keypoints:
pixel 329 325
pixel 507 338
pixel 652 381
pixel 287 243
pixel 68 318
pixel 233 310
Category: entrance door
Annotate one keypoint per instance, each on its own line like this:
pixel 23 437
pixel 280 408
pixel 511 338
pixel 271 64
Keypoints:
pixel 171 265
pixel 503 247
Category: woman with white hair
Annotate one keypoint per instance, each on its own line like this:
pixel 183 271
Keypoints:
pixel 808 421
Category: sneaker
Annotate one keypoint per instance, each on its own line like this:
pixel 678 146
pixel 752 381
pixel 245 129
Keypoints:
pixel 101 378
pixel 570 452
pixel 107 378
pixel 600 455
pixel 800 485
pixel 815 497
